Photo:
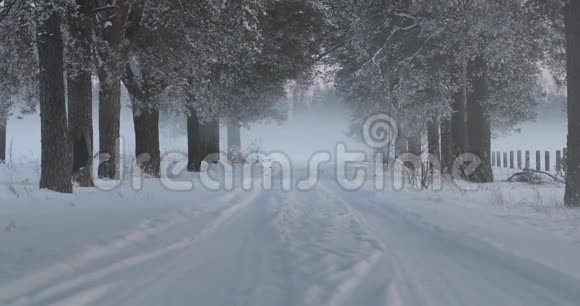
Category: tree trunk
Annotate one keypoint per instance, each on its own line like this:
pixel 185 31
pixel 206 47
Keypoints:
pixel 401 147
pixel 3 124
pixel 110 87
pixel 415 148
pixel 415 145
pixel 447 151
pixel 194 153
pixel 144 90
pixel 80 93
pixel 80 96
pixel 479 127
pixel 572 16
pixel 234 143
pixel 146 122
pixel 434 137
pixel 458 126
pixel 234 136
pixel 463 110
pixel 210 139
pixel 109 127
pixel 56 158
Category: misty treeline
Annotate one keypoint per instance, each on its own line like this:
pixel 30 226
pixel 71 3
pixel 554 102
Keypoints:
pixel 454 70
pixel 207 59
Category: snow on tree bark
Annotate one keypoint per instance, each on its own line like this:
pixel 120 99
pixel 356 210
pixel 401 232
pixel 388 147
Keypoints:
pixel 56 157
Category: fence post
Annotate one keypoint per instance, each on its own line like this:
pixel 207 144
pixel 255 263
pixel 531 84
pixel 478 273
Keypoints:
pixel 519 159
pixel 558 161
pixel 512 160
pixel 538 161
pixel 493 157
pixel 527 159
pixel 505 160
pixel 547 161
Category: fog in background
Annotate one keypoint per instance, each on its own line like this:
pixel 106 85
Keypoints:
pixel 312 129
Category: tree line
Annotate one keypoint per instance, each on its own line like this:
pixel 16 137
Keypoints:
pixel 458 71
pixel 208 59
pixel 455 70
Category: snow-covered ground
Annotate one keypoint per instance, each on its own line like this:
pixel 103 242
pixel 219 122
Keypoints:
pixel 504 244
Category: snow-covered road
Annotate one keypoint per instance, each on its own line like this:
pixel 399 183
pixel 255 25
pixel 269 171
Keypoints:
pixel 426 265
pixel 274 248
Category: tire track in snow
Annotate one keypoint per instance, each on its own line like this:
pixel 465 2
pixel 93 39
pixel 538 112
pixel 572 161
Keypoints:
pixel 87 297
pixel 177 276
pixel 333 250
pixel 435 267
pixel 17 291
pixel 403 288
pixel 399 291
pixel 357 274
pixel 360 271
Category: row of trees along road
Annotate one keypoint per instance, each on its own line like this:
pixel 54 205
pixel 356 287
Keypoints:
pixel 459 69
pixel 217 59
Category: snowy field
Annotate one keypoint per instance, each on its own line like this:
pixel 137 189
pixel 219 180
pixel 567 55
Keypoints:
pixel 502 244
